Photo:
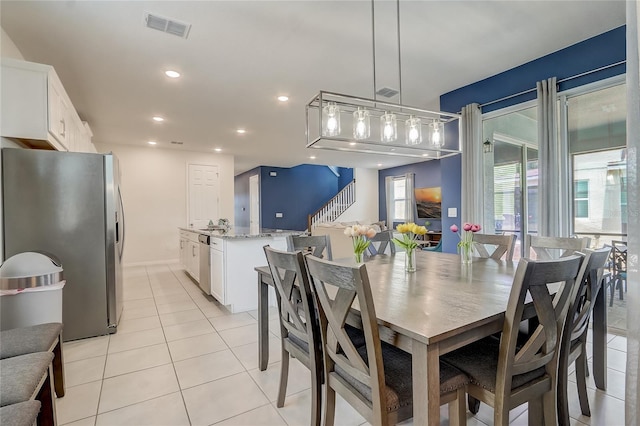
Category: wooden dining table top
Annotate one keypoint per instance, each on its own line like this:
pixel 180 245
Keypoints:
pixel 443 297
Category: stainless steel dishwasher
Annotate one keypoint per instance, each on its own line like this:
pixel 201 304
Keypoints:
pixel 205 263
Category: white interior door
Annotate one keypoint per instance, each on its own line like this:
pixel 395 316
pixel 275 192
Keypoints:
pixel 203 195
pixel 254 209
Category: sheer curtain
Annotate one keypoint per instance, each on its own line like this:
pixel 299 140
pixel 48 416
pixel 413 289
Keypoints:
pixel 472 173
pixel 388 190
pixel 632 403
pixel 551 160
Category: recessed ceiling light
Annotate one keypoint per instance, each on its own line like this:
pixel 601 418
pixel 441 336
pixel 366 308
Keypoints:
pixel 152 142
pixel 283 98
pixel 158 118
pixel 425 155
pixel 217 149
pixel 241 131
pixel 313 157
pixel 172 74
pixel 379 164
pixel 352 143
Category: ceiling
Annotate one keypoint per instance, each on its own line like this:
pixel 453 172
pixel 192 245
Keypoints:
pixel 240 55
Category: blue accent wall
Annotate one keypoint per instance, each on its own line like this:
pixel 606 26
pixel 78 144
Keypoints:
pixel 295 192
pixel 427 174
pixel 346 176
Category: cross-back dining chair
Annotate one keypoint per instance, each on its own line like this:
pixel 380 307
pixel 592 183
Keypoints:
pixel 502 245
pixel 376 378
pixel 299 328
pixel 317 245
pixel 618 269
pixel 574 336
pixel 505 374
pixel 546 248
pixel 384 238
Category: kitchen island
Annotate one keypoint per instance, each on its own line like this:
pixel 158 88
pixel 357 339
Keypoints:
pixel 233 254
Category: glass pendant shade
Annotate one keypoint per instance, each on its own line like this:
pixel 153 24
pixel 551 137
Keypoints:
pixel 388 127
pixel 331 120
pixel 361 124
pixel 436 134
pixel 413 131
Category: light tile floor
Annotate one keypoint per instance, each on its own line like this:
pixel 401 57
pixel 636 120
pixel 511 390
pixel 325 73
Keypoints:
pixel 180 358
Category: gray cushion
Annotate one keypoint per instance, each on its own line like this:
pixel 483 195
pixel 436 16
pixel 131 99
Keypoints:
pixel 26 340
pixel 20 376
pixel 20 414
pixel 398 377
pixel 480 361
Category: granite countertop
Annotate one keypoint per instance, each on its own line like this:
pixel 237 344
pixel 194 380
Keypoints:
pixel 242 232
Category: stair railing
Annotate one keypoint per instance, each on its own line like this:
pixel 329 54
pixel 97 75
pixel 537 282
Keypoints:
pixel 333 208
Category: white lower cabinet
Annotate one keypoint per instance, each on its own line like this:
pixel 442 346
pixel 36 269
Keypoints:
pixel 234 281
pixel 217 271
pixel 190 253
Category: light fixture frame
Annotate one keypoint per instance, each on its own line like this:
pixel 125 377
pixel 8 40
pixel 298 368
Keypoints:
pixel 345 141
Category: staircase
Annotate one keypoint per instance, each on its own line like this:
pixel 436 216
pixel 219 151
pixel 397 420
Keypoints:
pixel 334 207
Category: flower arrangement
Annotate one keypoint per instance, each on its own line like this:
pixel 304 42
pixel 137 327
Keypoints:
pixel 466 240
pixel 359 235
pixel 410 232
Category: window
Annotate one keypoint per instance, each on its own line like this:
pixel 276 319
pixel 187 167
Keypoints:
pixel 581 198
pixel 399 199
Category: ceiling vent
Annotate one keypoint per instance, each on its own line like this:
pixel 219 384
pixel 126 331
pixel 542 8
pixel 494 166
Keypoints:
pixel 387 92
pixel 176 143
pixel 166 25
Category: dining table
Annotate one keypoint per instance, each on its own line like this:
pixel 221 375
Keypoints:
pixel 440 307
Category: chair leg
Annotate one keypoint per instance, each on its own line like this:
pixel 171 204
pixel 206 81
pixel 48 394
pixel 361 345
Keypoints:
pixel 550 410
pixel 58 369
pixel 581 379
pixel 474 404
pixel 329 404
pixel 612 290
pixel 563 379
pixel 621 288
pixel 47 414
pixel 316 396
pixel 457 410
pixel 284 377
pixel 535 412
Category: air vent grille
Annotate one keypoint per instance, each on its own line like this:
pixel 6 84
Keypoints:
pixel 176 143
pixel 166 25
pixel 387 92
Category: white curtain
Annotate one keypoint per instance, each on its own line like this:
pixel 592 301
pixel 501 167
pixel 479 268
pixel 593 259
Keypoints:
pixel 410 196
pixel 632 402
pixel 472 174
pixel 550 160
pixel 388 190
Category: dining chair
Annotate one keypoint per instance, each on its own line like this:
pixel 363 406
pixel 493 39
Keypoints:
pixel 546 248
pixel 618 269
pixel 300 335
pixel 438 247
pixel 385 239
pixel 505 373
pixel 574 335
pixel 317 245
pixel 376 378
pixel 502 245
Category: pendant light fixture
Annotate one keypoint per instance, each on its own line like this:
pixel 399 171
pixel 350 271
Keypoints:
pixel 325 111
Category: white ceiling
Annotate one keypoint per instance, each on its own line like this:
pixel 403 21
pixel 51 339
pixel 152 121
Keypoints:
pixel 240 55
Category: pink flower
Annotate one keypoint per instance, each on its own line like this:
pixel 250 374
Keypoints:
pixel 475 228
pixel 467 227
pixel 371 233
pixel 454 228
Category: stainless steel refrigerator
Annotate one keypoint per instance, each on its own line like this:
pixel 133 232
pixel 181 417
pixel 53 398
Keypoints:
pixel 69 204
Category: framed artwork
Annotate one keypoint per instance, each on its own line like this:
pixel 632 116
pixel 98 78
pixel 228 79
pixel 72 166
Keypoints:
pixel 429 202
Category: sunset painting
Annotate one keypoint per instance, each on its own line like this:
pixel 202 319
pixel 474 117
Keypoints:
pixel 429 202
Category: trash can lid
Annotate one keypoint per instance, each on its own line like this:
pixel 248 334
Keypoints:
pixel 28 270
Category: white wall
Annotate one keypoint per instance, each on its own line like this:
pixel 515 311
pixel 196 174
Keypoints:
pixel 8 48
pixel 154 190
pixel 366 206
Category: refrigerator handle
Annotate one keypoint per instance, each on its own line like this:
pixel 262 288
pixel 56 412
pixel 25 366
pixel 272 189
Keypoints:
pixel 123 223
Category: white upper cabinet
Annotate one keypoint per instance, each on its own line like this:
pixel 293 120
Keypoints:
pixel 37 111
